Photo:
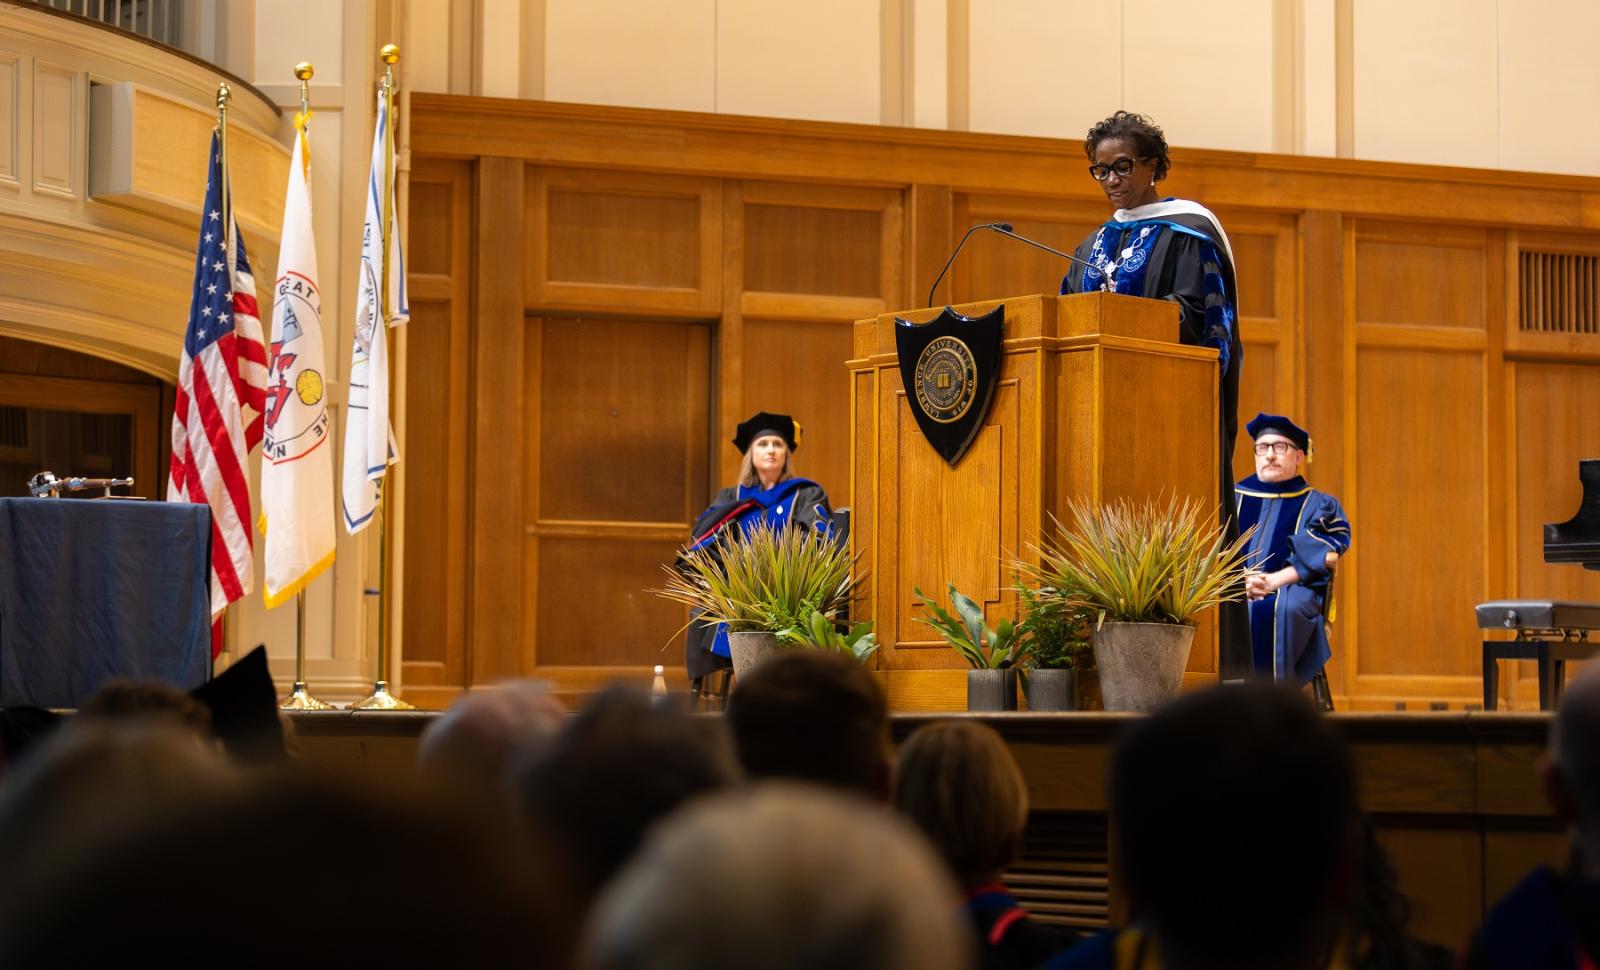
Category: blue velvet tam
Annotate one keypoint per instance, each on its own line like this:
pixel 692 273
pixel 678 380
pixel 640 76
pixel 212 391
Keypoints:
pixel 763 423
pixel 1263 423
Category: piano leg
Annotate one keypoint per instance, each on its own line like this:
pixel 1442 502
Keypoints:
pixel 1558 682
pixel 1491 677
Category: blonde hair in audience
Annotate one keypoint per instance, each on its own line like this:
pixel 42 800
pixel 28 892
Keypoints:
pixel 958 782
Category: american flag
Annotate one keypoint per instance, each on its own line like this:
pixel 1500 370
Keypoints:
pixel 223 371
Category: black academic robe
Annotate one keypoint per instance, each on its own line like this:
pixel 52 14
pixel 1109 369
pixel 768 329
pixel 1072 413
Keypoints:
pixel 1175 270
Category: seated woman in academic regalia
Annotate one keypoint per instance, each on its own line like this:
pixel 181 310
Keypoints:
pixel 767 491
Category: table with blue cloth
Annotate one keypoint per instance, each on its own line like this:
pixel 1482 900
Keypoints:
pixel 92 590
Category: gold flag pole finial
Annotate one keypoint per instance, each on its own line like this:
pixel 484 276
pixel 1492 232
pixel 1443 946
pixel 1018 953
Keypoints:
pixel 303 71
pixel 381 698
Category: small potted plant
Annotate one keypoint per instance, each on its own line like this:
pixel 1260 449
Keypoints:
pixel 765 580
pixel 1143 571
pixel 994 653
pixel 821 632
pixel 1058 648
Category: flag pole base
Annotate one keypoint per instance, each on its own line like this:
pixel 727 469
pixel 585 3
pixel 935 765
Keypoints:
pixel 381 700
pixel 301 699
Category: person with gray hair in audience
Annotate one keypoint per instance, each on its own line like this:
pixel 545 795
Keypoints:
pixel 780 877
pixel 1551 920
pixel 487 732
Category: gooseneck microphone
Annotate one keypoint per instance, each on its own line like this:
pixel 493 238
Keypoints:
pixel 995 226
pixel 1004 229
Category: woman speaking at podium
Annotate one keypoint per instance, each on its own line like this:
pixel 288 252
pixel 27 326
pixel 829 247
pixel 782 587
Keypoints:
pixel 767 491
pixel 1168 249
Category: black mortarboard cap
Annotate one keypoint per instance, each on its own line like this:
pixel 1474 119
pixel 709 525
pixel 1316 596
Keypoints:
pixel 244 709
pixel 1262 423
pixel 762 423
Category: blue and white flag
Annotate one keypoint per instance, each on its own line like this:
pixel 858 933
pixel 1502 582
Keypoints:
pixel 369 445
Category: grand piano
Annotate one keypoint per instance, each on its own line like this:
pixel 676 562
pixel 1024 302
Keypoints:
pixel 1551 632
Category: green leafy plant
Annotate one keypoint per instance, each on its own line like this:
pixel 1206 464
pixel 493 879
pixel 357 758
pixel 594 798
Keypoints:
pixel 821 632
pixel 1148 562
pixel 1058 635
pixel 983 647
pixel 767 579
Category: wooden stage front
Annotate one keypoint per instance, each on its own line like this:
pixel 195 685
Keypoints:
pixel 1454 796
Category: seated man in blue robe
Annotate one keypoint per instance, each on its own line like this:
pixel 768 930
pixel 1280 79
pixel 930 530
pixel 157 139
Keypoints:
pixel 1300 534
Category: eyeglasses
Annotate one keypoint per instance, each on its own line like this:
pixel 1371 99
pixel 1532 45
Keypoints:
pixel 1122 166
pixel 1276 447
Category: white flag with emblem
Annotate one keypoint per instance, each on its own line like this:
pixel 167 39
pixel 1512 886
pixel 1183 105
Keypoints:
pixel 296 460
pixel 369 447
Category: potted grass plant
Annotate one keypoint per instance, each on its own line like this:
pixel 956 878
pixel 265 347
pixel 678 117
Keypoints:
pixel 993 653
pixel 1143 571
pixel 1058 648
pixel 762 581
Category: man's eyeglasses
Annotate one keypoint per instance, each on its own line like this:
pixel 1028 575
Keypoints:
pixel 1276 447
pixel 1122 166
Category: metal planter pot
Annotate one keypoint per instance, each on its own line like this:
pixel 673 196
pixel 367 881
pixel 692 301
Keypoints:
pixel 991 690
pixel 1051 690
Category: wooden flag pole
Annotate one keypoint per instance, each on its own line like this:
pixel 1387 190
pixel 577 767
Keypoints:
pixel 381 698
pixel 301 698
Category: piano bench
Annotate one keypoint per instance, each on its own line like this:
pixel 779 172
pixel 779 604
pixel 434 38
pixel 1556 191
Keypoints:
pixel 1552 656
pixel 1550 632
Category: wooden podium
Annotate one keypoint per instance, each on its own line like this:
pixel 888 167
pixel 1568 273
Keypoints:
pixel 1096 400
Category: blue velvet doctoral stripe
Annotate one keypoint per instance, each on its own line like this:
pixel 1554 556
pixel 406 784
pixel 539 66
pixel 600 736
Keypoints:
pixel 1138 241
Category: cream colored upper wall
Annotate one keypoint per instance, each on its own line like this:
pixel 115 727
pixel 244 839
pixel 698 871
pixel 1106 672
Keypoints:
pixel 1458 82
pixel 624 52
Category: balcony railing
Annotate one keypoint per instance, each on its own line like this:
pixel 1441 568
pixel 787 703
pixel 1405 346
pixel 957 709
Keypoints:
pixel 175 23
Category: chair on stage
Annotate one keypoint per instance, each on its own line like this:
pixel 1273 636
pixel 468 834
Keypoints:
pixel 1319 683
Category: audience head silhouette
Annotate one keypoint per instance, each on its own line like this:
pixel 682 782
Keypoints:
pixel 809 715
pixel 1235 824
pixel 485 733
pixel 1571 773
pixel 283 867
pixel 614 770
pixel 958 782
pixel 780 876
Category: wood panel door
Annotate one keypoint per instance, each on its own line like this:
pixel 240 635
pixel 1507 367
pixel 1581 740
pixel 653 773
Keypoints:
pixel 617 422
pixel 1421 414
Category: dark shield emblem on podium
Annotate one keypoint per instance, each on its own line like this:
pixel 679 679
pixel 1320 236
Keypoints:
pixel 950 366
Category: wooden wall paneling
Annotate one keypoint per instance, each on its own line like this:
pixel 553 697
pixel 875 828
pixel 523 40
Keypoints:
pixel 500 455
pixel 1418 589
pixel 1495 470
pixel 993 267
pixel 798 368
pixel 439 277
pixel 785 149
pixel 621 431
pixel 731 407
pixel 607 241
pixel 815 259
pixel 929 241
pixel 1264 245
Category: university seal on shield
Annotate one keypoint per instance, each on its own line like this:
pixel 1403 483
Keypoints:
pixel 949 367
